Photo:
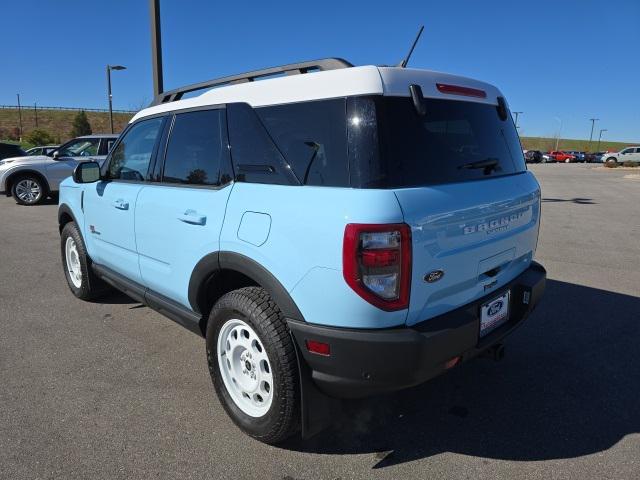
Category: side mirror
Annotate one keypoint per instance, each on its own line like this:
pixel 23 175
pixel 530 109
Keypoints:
pixel 56 154
pixel 86 172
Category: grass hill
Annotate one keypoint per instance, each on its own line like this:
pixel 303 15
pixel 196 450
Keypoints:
pixel 548 144
pixel 56 122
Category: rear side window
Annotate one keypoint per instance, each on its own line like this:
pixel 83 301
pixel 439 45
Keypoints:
pixel 197 148
pixel 256 159
pixel 312 138
pixel 130 159
pixel 454 142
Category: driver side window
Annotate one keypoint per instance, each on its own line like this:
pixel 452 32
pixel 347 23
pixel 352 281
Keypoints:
pixel 130 158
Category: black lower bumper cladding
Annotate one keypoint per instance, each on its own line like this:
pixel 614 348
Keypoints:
pixel 368 362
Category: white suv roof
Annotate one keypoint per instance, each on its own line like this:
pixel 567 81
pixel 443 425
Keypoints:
pixel 342 82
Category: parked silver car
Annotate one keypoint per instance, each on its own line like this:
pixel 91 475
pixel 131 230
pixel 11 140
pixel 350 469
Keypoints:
pixel 31 179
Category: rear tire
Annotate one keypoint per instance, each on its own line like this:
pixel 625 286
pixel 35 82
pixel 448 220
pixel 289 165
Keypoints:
pixel 82 282
pixel 28 190
pixel 253 364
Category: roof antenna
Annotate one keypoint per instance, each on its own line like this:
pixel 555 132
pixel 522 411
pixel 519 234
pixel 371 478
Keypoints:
pixel 403 63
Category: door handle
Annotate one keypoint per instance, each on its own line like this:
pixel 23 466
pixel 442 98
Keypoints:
pixel 120 204
pixel 192 217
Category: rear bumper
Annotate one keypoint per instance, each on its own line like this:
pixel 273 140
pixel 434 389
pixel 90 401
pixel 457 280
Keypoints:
pixel 368 362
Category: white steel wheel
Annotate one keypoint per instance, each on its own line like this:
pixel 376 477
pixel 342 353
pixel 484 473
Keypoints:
pixel 72 259
pixel 245 368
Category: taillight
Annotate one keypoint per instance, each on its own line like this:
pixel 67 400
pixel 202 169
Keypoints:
pixel 376 263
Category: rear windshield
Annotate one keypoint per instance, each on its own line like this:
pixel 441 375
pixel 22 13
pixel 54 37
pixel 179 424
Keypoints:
pixel 391 146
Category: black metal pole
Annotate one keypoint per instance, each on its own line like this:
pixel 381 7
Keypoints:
pixel 600 137
pixel 593 122
pixel 110 97
pixel 156 47
pixel 35 111
pixel 19 118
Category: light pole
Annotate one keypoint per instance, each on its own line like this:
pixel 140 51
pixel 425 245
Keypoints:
pixel 109 68
pixel 517 114
pixel 156 47
pixel 593 122
pixel 600 137
pixel 35 112
pixel 19 118
pixel 559 132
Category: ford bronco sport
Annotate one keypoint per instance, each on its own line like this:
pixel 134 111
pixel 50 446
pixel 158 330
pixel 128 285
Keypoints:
pixel 334 232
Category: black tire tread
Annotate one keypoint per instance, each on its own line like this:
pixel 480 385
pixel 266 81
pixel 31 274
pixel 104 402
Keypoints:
pixel 43 187
pixel 92 287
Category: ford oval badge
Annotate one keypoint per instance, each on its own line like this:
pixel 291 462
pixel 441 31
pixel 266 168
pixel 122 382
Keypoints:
pixel 434 276
pixel 495 308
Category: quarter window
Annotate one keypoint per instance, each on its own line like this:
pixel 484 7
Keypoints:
pixel 312 138
pixel 130 159
pixel 197 148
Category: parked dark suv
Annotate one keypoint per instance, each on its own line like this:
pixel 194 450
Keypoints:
pixel 533 156
pixel 10 150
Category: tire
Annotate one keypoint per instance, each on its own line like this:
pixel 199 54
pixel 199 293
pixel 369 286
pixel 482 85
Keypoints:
pixel 612 159
pixel 29 190
pixel 82 282
pixel 245 329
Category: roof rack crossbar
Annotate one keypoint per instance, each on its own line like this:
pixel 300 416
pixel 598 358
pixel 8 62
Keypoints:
pixel 290 69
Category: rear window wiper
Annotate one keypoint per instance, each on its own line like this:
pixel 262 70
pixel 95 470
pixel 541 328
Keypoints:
pixel 488 164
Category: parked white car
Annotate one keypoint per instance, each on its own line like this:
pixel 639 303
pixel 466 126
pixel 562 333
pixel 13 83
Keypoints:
pixel 629 154
pixel 31 179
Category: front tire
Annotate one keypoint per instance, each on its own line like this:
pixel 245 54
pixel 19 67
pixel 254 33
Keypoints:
pixel 28 190
pixel 82 282
pixel 253 365
pixel 612 159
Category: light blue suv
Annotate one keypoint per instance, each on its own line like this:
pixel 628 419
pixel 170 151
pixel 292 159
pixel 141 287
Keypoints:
pixel 333 232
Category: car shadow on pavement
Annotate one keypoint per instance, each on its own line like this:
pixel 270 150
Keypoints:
pixel 117 298
pixel 569 386
pixel 582 201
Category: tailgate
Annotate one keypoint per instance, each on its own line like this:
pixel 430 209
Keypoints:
pixel 479 234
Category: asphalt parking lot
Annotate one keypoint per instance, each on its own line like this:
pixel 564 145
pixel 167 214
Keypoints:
pixel 114 390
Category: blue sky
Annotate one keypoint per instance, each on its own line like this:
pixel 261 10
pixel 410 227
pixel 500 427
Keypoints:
pixel 570 59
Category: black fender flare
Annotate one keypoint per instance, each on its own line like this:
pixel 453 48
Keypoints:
pixel 216 262
pixel 64 209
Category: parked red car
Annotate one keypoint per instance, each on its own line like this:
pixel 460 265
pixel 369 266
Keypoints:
pixel 561 156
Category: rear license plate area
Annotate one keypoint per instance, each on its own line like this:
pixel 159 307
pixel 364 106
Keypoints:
pixel 494 313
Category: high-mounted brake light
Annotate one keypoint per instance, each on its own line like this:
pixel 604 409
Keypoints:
pixel 460 90
pixel 376 263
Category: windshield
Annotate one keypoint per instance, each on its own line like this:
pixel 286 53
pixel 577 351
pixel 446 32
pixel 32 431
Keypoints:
pixel 455 141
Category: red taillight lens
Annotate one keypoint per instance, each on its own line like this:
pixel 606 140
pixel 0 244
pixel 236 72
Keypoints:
pixel 460 90
pixel 376 263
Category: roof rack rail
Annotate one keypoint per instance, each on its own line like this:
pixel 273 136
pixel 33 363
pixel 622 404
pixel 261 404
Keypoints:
pixel 290 69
